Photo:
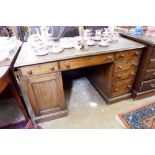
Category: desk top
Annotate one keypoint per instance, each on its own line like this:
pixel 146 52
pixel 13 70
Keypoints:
pixel 142 38
pixel 28 57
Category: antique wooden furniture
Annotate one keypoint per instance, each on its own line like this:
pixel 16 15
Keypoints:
pixel 111 70
pixel 145 80
pixel 7 79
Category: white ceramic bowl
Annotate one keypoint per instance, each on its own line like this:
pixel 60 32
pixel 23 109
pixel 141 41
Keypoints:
pixel 67 42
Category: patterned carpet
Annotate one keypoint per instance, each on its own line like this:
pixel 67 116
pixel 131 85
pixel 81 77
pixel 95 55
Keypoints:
pixel 142 117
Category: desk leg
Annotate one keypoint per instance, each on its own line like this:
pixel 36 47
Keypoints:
pixel 19 99
pixel 19 102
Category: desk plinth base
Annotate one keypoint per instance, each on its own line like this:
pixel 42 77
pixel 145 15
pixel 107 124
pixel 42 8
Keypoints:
pixel 105 97
pixel 140 95
pixel 115 99
pixel 51 116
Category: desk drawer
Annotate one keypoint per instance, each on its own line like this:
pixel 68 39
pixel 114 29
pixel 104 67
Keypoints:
pixel 86 61
pixel 128 54
pixel 149 74
pixel 151 64
pixel 122 87
pixel 127 74
pixel 38 69
pixel 147 85
pixel 126 65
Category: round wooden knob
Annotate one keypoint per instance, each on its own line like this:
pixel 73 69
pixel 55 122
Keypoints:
pixel 132 73
pixel 120 67
pixel 129 86
pixel 67 65
pixel 154 73
pixel 52 68
pixel 29 72
pixel 152 85
pixel 116 89
pixel 109 57
pixel 118 76
pixel 136 53
pixel 122 56
pixel 135 65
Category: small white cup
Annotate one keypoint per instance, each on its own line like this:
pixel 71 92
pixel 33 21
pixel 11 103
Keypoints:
pixel 78 42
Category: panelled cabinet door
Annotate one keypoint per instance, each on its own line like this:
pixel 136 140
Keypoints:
pixel 45 93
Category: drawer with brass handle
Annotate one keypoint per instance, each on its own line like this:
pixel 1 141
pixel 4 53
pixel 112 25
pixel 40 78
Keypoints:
pixel 149 74
pixel 151 64
pixel 124 74
pixel 38 69
pixel 126 65
pixel 128 54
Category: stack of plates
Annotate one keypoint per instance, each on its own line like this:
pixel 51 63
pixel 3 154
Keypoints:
pixel 6 46
pixel 4 56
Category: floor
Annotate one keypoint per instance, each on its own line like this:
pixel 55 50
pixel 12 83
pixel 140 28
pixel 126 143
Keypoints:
pixel 87 109
pixel 9 112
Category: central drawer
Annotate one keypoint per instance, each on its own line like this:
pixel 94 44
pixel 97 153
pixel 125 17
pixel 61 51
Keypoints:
pixel 86 61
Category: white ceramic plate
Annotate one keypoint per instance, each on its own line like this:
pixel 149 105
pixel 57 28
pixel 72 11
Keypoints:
pixel 67 42
pixel 56 50
pixel 6 45
pixel 104 45
pixel 92 43
pixel 97 38
pixel 67 45
pixel 41 53
pixel 4 40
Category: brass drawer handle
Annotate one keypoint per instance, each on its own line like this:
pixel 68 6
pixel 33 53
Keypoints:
pixel 29 72
pixel 129 86
pixel 52 68
pixel 152 85
pixel 132 73
pixel 67 65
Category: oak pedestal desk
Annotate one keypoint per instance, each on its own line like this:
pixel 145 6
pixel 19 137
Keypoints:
pixel 145 80
pixel 111 70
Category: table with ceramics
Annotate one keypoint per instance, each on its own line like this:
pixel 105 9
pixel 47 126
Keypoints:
pixel 9 48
